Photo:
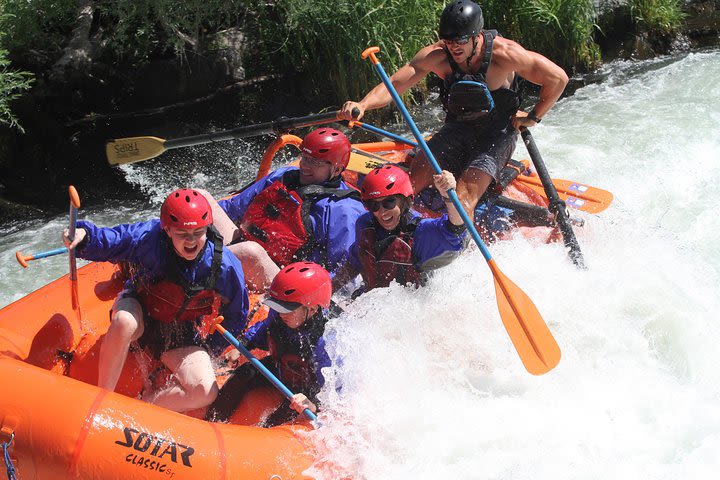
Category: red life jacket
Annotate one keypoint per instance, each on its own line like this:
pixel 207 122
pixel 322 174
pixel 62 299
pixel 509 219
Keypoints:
pixel 278 218
pixel 173 299
pixel 390 258
pixel 293 357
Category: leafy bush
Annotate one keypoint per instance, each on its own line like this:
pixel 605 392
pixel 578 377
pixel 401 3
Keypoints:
pixel 562 30
pixel 139 29
pixel 39 25
pixel 326 37
pixel 13 84
pixel 664 16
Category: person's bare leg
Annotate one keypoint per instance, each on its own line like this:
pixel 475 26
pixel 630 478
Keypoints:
pixel 126 325
pixel 421 173
pixel 471 187
pixel 194 383
pixel 258 267
pixel 222 222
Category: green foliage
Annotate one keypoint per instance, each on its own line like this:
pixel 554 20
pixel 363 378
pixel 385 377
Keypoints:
pixel 562 30
pixel 664 16
pixel 39 25
pixel 12 84
pixel 326 37
pixel 139 29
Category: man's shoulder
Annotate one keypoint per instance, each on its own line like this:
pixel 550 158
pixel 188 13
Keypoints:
pixel 431 57
pixel 506 50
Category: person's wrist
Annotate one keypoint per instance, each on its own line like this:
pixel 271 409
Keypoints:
pixel 533 116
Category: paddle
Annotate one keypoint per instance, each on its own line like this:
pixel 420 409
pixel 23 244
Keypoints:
pixel 123 151
pixel 529 333
pixel 556 206
pixel 74 205
pixel 576 195
pixel 267 373
pixel 23 259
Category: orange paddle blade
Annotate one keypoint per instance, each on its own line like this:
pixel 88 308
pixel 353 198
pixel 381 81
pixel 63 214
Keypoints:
pixel 531 336
pixel 576 195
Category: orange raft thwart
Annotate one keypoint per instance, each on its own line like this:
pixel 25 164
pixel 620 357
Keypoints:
pixel 66 428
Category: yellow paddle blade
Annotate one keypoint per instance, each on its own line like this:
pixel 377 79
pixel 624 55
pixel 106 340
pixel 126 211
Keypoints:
pixel 576 195
pixel 529 333
pixel 363 162
pixel 133 149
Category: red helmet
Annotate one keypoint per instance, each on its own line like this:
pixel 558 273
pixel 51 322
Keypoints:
pixel 329 145
pixel 185 208
pixel 385 181
pixel 300 283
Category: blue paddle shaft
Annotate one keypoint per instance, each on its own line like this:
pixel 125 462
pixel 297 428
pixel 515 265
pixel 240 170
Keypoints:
pixel 267 373
pixel 431 158
pixel 397 138
pixel 49 253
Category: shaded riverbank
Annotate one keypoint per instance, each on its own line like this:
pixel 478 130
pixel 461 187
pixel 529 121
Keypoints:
pixel 70 113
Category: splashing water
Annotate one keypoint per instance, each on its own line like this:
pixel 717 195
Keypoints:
pixel 431 385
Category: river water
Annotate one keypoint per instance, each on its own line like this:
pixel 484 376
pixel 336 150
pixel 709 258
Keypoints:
pixel 431 385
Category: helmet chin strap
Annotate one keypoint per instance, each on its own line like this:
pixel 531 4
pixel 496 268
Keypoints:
pixel 474 50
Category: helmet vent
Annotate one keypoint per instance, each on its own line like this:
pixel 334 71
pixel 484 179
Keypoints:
pixel 204 215
pixel 173 218
pixel 187 198
pixel 324 150
pixel 390 185
pixel 290 291
pixel 304 269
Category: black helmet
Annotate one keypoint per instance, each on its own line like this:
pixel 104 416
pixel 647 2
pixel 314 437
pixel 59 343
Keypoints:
pixel 461 18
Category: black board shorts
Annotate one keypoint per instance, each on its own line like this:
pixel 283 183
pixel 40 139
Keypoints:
pixel 458 147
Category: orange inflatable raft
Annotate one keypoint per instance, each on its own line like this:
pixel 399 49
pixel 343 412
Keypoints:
pixel 59 425
pixel 62 427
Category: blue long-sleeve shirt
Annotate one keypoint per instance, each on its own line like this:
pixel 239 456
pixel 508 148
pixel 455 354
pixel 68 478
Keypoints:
pixel 148 246
pixel 332 219
pixel 432 241
pixel 299 339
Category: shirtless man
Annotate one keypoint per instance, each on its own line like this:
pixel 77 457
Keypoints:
pixel 481 71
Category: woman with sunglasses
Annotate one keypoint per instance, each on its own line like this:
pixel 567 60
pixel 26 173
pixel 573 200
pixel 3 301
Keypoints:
pixel 393 241
pixel 294 213
pixel 480 72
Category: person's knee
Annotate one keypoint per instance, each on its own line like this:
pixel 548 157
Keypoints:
pixel 124 323
pixel 205 194
pixel 204 392
pixel 250 251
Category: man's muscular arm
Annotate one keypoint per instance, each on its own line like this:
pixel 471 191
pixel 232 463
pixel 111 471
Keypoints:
pixel 407 76
pixel 537 69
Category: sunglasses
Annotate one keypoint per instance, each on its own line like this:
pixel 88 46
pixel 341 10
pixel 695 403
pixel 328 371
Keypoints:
pixel 457 41
pixel 387 203
pixel 313 162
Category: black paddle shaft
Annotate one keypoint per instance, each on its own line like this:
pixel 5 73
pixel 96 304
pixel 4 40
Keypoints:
pixel 557 205
pixel 281 125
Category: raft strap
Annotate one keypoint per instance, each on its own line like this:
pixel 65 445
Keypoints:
pixel 8 461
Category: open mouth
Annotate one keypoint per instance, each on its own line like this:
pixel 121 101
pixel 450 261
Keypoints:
pixel 386 219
